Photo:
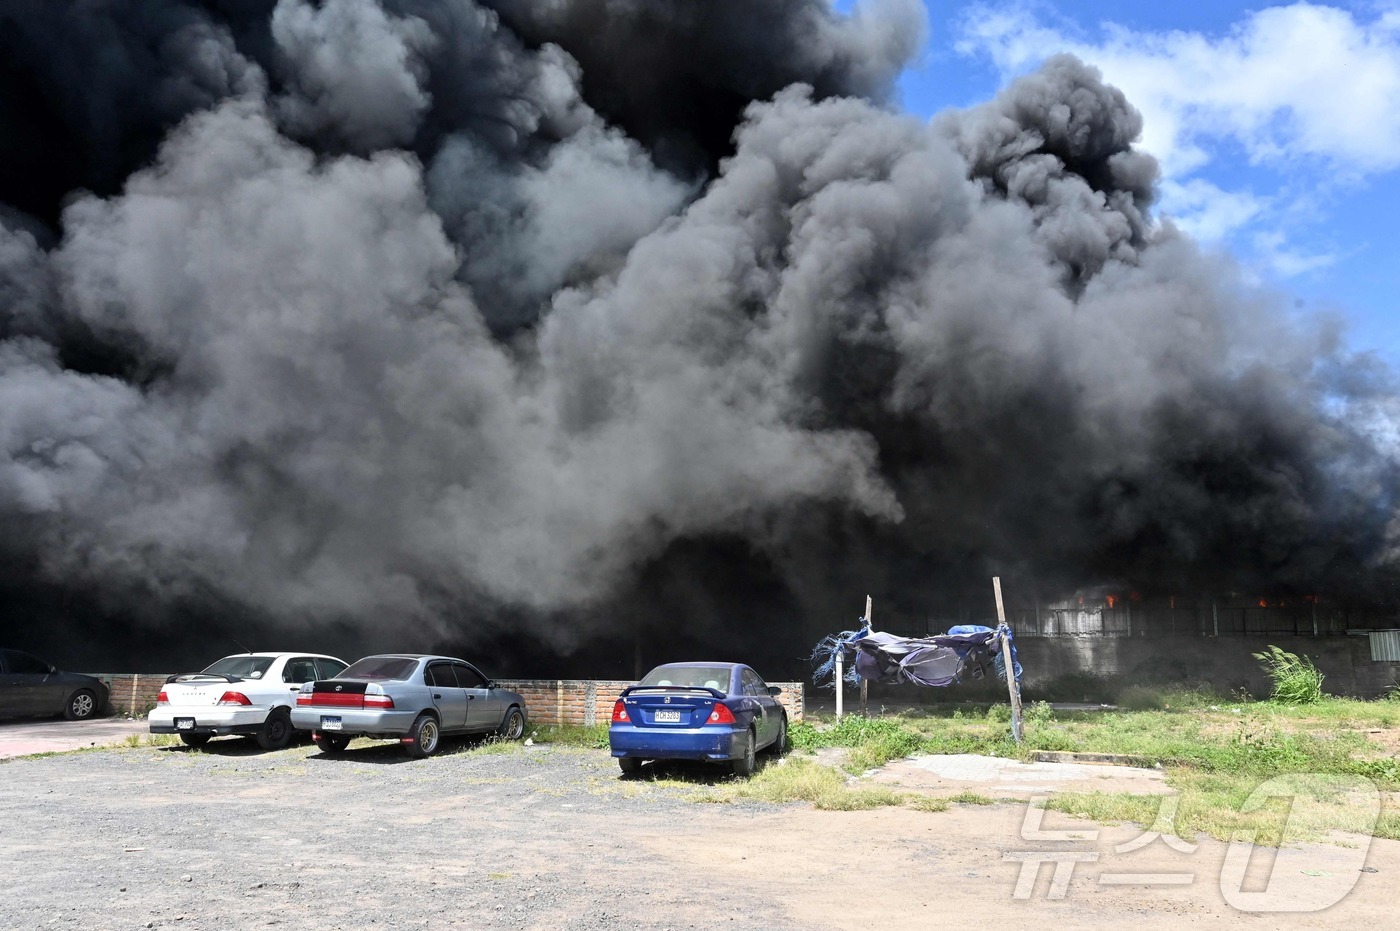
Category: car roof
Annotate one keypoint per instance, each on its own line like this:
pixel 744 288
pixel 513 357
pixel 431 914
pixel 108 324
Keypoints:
pixel 455 659
pixel 694 665
pixel 274 655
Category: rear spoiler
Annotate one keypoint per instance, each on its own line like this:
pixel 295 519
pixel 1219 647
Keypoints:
pixel 191 676
pixel 671 688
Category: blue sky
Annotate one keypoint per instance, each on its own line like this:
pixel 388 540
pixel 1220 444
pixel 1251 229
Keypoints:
pixel 1277 126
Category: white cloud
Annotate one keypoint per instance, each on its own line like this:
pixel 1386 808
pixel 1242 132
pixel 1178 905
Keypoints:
pixel 1300 81
pixel 1287 261
pixel 1308 91
pixel 1204 211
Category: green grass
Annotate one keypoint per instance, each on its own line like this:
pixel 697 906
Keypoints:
pixel 1215 752
pixel 593 737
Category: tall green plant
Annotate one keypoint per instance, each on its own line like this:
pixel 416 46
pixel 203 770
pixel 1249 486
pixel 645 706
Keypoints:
pixel 1295 678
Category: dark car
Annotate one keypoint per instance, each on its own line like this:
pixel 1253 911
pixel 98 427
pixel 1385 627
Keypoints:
pixel 31 687
pixel 413 698
pixel 715 712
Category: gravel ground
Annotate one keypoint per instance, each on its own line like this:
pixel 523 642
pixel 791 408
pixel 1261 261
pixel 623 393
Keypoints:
pixel 229 837
pixel 551 838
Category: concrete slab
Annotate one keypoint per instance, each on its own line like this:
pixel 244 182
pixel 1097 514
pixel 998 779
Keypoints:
pixel 999 778
pixel 22 738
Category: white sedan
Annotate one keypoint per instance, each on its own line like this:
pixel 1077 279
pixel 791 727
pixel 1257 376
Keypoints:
pixel 249 694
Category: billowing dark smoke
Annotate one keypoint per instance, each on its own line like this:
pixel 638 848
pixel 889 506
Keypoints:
pixel 583 323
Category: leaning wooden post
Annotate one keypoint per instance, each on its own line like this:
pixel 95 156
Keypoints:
pixel 840 679
pixel 865 686
pixel 1013 688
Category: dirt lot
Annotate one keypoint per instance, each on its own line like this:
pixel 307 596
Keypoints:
pixel 551 838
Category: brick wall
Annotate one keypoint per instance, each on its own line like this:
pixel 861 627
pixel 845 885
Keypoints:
pixel 547 701
pixel 590 701
pixel 130 693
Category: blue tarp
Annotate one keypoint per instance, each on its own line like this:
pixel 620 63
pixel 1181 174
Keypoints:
pixel 964 652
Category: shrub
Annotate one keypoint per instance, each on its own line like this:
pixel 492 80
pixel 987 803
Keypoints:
pixel 1038 712
pixel 1295 679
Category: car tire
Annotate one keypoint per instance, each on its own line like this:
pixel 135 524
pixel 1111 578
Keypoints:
pixel 81 705
pixel 425 737
pixel 195 740
pixel 780 745
pixel 746 762
pixel 629 765
pixel 277 732
pixel 513 727
pixel 332 743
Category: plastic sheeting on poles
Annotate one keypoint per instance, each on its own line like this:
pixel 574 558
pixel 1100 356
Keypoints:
pixel 964 652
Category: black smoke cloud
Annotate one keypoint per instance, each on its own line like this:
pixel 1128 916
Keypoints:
pixel 411 323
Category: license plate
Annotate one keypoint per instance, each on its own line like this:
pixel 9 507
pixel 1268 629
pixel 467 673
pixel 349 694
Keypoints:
pixel 668 717
pixel 330 724
pixel 184 724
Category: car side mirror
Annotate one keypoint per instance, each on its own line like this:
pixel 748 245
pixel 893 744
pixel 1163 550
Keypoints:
pixel 774 690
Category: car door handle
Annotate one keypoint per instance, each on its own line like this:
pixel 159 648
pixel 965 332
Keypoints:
pixel 436 695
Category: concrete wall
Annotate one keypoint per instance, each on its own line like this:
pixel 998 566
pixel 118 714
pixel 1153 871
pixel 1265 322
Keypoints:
pixel 1226 663
pixel 1052 664
pixel 547 701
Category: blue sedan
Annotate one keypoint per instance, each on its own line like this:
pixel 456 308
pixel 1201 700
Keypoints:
pixel 715 712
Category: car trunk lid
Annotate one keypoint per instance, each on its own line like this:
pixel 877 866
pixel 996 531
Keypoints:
pixel 669 707
pixel 334 693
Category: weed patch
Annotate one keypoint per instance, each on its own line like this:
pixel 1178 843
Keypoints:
pixel 1295 679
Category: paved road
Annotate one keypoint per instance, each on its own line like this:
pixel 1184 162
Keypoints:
pixel 50 735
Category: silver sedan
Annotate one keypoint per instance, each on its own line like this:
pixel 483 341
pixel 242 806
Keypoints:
pixel 414 698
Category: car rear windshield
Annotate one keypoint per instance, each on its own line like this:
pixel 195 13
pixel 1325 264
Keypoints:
pixel 706 677
pixel 241 667
pixel 380 667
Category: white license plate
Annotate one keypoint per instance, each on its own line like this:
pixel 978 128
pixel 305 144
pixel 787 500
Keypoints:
pixel 668 717
pixel 330 724
pixel 184 724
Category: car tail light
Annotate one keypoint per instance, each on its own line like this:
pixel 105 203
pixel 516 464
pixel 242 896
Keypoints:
pixel 721 715
pixel 620 713
pixel 375 697
pixel 162 698
pixel 233 698
pixel 306 698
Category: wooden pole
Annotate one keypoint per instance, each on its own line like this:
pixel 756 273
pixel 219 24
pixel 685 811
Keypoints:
pixel 840 680
pixel 1013 688
pixel 865 686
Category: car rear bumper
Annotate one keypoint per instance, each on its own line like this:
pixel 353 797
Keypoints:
pixel 208 719
pixel 690 743
pixel 355 722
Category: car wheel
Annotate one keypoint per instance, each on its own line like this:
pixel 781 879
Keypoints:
pixel 780 746
pixel 513 727
pixel 629 765
pixel 746 763
pixel 424 737
pixel 276 731
pixel 82 705
pixel 195 740
pixel 332 743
